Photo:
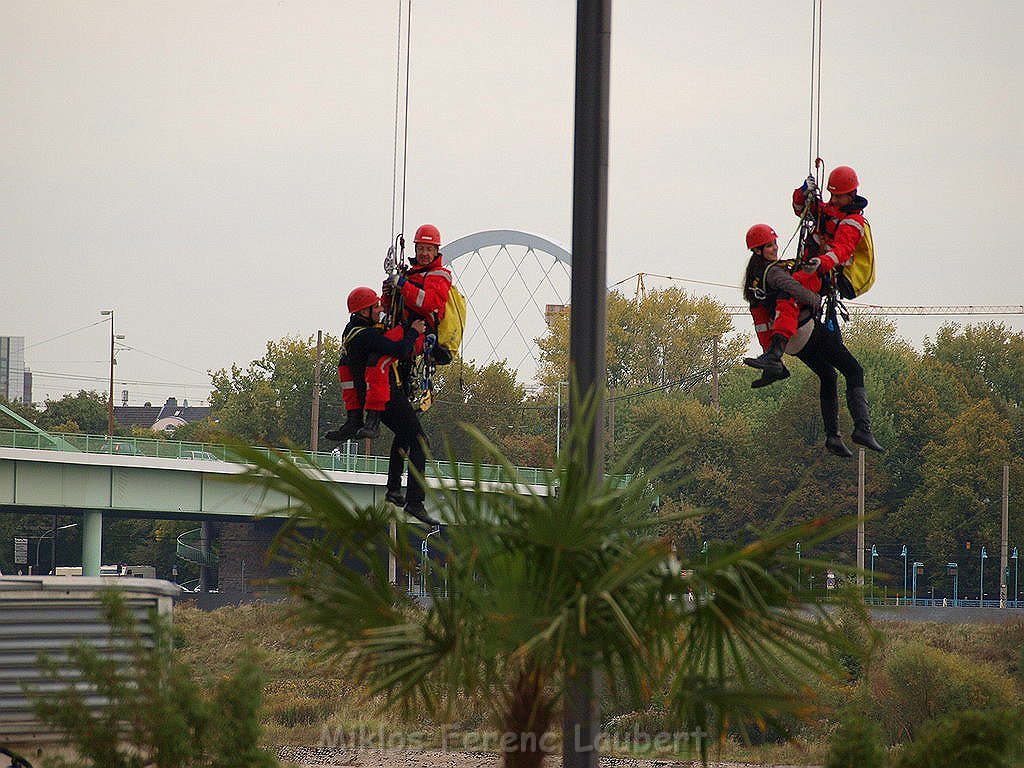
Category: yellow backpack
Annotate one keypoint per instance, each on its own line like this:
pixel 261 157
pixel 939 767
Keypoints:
pixel 857 277
pixel 452 325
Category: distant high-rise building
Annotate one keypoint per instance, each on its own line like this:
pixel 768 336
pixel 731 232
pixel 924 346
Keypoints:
pixel 12 368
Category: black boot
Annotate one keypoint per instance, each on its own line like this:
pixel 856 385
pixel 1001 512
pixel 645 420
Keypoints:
pixel 769 377
pixel 771 360
pixel 371 425
pixel 417 510
pixel 347 430
pixel 395 496
pixel 857 401
pixel 830 416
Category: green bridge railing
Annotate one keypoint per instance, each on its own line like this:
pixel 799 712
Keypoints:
pixel 338 460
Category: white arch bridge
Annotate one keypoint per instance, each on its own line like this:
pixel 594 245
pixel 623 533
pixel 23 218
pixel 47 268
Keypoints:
pixel 510 279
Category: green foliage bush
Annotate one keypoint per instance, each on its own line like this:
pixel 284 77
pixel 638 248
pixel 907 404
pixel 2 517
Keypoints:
pixel 156 713
pixel 970 739
pixel 857 743
pixel 916 683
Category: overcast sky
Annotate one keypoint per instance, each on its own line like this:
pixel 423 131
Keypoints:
pixel 220 173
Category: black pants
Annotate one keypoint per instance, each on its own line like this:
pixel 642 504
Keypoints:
pixel 409 443
pixel 824 353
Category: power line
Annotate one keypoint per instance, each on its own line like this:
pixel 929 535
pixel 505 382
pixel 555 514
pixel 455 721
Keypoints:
pixel 61 336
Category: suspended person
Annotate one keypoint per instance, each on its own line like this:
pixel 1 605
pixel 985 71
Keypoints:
pixel 840 223
pixel 822 350
pixel 366 343
pixel 424 286
pixel 775 297
pixel 365 405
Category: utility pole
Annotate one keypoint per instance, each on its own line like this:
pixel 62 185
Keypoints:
pixel 581 719
pixel 1004 563
pixel 314 421
pixel 860 517
pixel 113 362
pixel 714 373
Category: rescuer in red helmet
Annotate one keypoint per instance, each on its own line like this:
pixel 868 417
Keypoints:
pixel 374 395
pixel 776 299
pixel 786 307
pixel 840 227
pixel 425 284
pixel 840 220
pixel 368 381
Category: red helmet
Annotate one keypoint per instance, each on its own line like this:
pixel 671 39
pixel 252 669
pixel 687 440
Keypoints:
pixel 428 233
pixel 843 180
pixel 760 234
pixel 361 298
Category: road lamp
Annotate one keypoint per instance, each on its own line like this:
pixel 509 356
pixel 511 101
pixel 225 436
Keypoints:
pixel 51 532
pixel 704 551
pixel 113 362
pixel 798 565
pixel 874 554
pixel 953 570
pixel 1015 593
pixel 981 589
pixel 425 560
pixel 903 554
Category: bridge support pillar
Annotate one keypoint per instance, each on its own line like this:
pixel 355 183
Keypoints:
pixel 92 541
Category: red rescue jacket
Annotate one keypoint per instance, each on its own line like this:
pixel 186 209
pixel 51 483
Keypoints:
pixel 425 291
pixel 839 230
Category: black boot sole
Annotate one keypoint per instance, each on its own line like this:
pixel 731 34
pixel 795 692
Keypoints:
pixel 839 450
pixel 762 365
pixel 343 433
pixel 868 442
pixel 769 377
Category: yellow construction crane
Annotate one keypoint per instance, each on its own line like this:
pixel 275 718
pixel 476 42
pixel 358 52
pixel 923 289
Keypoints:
pixel 856 308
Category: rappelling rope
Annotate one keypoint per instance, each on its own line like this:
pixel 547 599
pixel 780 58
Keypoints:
pixel 396 249
pixel 814 130
pixel 401 118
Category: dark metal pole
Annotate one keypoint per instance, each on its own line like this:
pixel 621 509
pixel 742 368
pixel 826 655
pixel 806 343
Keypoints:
pixel 314 428
pixel 204 547
pixel 53 548
pixel 587 365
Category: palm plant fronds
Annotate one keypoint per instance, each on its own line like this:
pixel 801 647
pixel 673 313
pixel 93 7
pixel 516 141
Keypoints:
pixel 540 579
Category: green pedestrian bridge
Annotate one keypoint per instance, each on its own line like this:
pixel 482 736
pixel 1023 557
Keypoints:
pixel 95 476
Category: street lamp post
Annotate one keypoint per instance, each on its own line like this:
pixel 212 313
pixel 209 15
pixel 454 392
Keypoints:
pixel 1015 593
pixel 903 554
pixel 113 362
pixel 953 570
pixel 51 532
pixel 798 576
pixel 981 589
pixel 874 554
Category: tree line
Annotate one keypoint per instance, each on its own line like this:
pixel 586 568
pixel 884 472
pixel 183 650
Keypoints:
pixel 949 415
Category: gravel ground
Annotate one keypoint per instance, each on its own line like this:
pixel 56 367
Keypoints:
pixel 327 757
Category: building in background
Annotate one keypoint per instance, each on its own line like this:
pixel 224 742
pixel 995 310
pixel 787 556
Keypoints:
pixel 165 418
pixel 13 376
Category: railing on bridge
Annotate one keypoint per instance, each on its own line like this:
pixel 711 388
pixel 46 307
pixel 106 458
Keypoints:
pixel 337 460
pixel 939 602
